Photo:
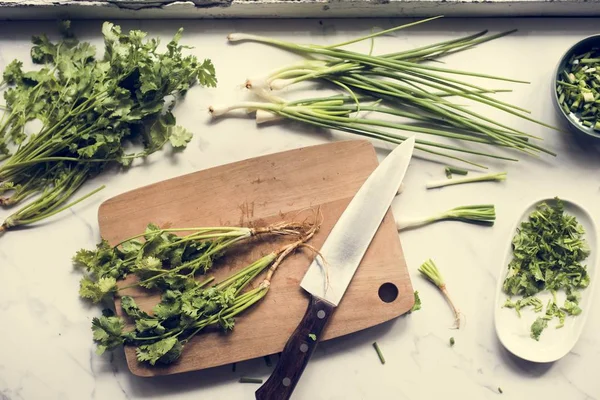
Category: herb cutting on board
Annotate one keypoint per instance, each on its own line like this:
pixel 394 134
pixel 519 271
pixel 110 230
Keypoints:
pixel 311 234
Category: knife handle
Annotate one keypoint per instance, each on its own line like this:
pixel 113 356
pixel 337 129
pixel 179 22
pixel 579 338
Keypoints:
pixel 296 353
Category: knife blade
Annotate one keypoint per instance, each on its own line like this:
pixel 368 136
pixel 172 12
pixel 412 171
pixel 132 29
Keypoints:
pixel 330 273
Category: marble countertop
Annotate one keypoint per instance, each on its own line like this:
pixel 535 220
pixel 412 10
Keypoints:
pixel 46 349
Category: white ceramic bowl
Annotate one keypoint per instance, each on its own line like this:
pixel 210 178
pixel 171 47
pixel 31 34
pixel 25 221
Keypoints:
pixel 514 332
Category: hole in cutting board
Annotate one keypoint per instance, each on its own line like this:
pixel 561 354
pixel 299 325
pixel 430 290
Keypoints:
pixel 388 292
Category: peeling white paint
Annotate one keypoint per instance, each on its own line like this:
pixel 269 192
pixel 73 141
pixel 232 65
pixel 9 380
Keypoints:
pixel 116 9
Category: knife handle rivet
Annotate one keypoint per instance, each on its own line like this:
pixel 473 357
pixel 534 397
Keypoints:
pixel 286 382
pixel 321 314
pixel 304 347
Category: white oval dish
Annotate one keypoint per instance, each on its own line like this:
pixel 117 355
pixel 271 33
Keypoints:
pixel 514 332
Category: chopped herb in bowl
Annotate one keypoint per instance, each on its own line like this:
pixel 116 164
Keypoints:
pixel 549 249
pixel 577 86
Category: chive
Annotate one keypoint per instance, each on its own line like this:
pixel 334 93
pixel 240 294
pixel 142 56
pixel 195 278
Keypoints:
pixel 457 171
pixel 589 60
pixel 379 353
pixel 244 379
pixel 452 341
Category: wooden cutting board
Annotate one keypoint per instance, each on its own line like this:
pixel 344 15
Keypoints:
pixel 260 191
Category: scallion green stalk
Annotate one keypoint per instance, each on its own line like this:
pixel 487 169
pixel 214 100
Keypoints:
pixel 409 87
pixel 453 170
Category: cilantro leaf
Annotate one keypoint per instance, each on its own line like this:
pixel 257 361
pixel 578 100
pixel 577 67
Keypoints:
pixel 537 327
pixel 130 308
pixel 108 333
pixel 165 351
pixel 97 291
pixel 180 137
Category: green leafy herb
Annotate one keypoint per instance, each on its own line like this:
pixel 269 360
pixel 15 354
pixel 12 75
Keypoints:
pixel 452 341
pixel 90 109
pixel 548 251
pixel 312 337
pixel 527 301
pixel 417 305
pixel 164 260
pixel 168 263
pixel 379 353
pixel 537 327
pixel 430 271
pixel 480 214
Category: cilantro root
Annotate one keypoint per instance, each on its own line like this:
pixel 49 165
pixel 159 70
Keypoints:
pixel 431 272
pixel 90 108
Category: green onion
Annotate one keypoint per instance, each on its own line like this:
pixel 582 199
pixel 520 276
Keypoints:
pixel 452 341
pixel 431 272
pixel 452 170
pixel 245 379
pixel 398 84
pixel 483 214
pixel 480 178
pixel 379 353
pixel 581 87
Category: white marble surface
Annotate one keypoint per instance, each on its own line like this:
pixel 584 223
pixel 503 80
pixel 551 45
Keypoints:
pixel 46 351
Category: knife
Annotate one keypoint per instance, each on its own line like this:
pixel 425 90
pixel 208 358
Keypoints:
pixel 330 273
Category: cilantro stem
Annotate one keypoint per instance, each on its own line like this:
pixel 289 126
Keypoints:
pixel 430 271
pixel 379 353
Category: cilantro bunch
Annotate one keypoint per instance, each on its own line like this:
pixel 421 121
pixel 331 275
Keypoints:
pixel 180 315
pixel 91 110
pixel 548 253
pixel 169 264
